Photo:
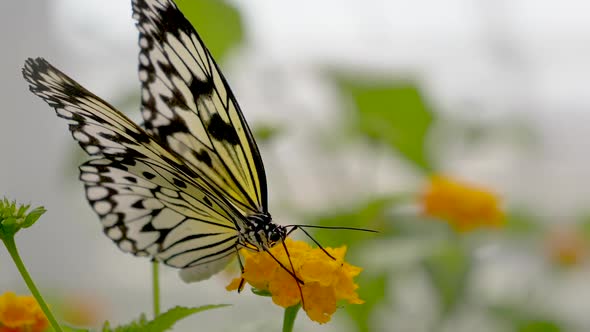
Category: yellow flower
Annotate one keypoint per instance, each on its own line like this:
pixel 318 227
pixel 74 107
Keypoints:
pixel 462 205
pixel 326 281
pixel 21 314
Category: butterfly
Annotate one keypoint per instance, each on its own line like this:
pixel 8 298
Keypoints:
pixel 188 188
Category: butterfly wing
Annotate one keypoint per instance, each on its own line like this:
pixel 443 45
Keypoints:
pixel 145 212
pixel 148 201
pixel 188 105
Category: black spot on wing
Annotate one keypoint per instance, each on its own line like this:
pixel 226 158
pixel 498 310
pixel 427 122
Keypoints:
pixel 222 131
pixel 148 175
pixel 130 179
pixel 207 201
pixel 177 125
pixel 201 88
pixel 179 183
pixel 138 204
pixel 176 101
pixel 203 157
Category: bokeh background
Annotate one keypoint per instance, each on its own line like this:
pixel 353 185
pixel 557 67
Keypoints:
pixel 355 104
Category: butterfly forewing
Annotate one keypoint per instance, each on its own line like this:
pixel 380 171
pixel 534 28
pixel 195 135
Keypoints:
pixel 189 107
pixel 148 200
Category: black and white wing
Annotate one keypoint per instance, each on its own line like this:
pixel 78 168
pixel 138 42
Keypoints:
pixel 188 105
pixel 149 202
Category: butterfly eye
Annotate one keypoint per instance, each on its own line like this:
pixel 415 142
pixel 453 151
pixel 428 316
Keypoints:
pixel 274 237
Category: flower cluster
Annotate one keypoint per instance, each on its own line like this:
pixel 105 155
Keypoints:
pixel 462 205
pixel 21 314
pixel 326 280
pixel 13 217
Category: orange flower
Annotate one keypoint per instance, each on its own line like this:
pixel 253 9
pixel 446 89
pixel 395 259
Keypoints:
pixel 567 247
pixel 21 314
pixel 82 309
pixel 462 205
pixel 326 281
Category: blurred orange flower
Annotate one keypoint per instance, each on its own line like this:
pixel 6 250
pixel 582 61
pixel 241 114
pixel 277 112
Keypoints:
pixel 567 247
pixel 83 309
pixel 464 206
pixel 326 281
pixel 21 314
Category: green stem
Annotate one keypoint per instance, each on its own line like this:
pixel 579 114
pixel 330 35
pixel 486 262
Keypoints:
pixel 289 317
pixel 11 247
pixel 156 287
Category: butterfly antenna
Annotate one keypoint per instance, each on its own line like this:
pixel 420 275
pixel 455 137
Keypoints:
pixel 311 237
pixel 301 228
pixel 332 227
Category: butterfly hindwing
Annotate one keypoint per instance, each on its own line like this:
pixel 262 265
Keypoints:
pixel 187 103
pixel 148 200
pixel 149 210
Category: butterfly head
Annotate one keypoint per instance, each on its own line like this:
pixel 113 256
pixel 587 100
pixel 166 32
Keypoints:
pixel 262 234
pixel 275 234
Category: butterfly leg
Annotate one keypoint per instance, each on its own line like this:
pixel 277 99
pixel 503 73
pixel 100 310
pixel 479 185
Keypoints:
pixel 285 268
pixel 242 280
pixel 293 269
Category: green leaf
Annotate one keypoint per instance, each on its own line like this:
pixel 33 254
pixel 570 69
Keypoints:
pixel 134 326
pixel 21 210
pixel 67 328
pixel 12 208
pixel 166 320
pixel 218 24
pixel 261 292
pixel 33 216
pixel 448 270
pixel 538 326
pixel 394 114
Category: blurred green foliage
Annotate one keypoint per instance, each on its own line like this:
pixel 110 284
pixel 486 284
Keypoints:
pixel 394 114
pixel 525 320
pixel 375 292
pixel 371 214
pixel 538 326
pixel 217 22
pixel 448 270
pixel 521 222
pixel 265 132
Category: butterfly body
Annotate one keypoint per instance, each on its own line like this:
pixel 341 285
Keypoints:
pixel 187 188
